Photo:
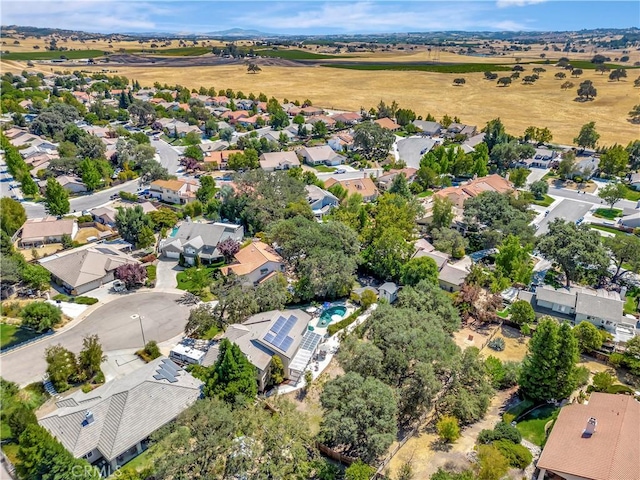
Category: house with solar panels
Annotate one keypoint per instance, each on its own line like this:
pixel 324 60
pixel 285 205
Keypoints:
pixel 111 425
pixel 282 333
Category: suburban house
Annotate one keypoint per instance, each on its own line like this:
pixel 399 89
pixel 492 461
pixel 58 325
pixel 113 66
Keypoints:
pixel 84 269
pixel 40 231
pixel 385 181
pixel 631 221
pixel 219 158
pixel 328 121
pixel 175 128
pixel 388 291
pixel 602 308
pixel 586 166
pixel 278 161
pixel 311 111
pixel 107 215
pixel 597 440
pixel 542 158
pixel 255 263
pixel 71 184
pixel 388 124
pixel 362 186
pixel 450 276
pixel 428 128
pixel 341 141
pixel 460 129
pixel 112 423
pixel 322 155
pixel 234 116
pixel 348 118
pixel 473 188
pixel 634 181
pixel 320 201
pixel 200 240
pixel 174 191
pixel 276 333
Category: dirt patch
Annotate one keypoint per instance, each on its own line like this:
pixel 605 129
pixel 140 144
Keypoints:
pixel 85 233
pixel 515 345
pixel 427 454
pixel 44 251
pixel 309 403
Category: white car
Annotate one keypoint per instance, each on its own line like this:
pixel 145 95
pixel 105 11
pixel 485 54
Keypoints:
pixel 341 170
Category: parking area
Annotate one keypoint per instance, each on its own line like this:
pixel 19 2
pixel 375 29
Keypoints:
pixel 569 210
pixel 412 149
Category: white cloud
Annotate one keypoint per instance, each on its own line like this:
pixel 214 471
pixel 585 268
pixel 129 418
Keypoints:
pixel 517 3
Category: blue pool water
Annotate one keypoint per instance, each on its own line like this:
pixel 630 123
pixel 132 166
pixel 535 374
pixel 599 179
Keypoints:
pixel 325 317
pixel 174 231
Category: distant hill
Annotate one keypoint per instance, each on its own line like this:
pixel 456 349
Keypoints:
pixel 239 32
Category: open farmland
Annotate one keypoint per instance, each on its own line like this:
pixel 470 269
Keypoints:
pixel 519 106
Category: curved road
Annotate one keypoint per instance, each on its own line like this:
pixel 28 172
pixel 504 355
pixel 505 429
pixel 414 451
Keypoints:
pixel 162 319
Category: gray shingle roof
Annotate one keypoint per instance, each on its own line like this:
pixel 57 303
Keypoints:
pixel 600 304
pixel 125 411
pixel 560 296
pixel 202 236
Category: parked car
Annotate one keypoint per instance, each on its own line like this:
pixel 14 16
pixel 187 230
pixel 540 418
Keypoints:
pixel 119 286
pixel 341 170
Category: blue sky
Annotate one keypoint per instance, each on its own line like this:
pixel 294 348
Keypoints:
pixel 318 17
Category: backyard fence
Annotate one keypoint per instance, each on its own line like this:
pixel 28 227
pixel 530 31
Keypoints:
pixel 333 455
pixel 26 342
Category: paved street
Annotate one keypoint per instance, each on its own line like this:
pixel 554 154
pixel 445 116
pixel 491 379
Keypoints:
pixel 162 319
pixel 84 202
pixel 168 156
pixel 376 172
pixel 627 205
pixel 568 210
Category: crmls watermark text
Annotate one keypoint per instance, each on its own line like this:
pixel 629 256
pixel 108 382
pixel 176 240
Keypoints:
pixel 87 471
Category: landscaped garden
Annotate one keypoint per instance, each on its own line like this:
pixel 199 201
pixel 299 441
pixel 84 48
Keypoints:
pixel 608 213
pixel 533 425
pixel 545 202
pixel 11 335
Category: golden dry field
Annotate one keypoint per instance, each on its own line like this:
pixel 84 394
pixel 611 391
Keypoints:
pixel 542 104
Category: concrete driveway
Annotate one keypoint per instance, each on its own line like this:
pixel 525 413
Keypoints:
pixel 162 319
pixel 412 149
pixel 166 273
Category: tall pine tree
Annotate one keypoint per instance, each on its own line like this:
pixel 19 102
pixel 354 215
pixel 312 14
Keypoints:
pixel 567 358
pixel 538 377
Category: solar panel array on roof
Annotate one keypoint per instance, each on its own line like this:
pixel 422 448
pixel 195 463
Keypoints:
pixel 105 251
pixel 310 341
pixel 167 370
pixel 278 335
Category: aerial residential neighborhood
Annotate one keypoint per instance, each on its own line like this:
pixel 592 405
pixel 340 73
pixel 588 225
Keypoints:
pixel 320 254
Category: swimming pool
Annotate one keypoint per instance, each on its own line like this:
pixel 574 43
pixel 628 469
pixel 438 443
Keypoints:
pixel 327 316
pixel 174 231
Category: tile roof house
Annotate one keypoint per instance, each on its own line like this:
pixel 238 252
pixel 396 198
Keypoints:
pixel 388 124
pixel 321 155
pixel 113 422
pixel 86 268
pixel 233 117
pixel 362 186
pixel 341 141
pixel 598 440
pixel 490 183
pixel 320 201
pixel 38 231
pixel 255 263
pixel 265 335
pixel 310 111
pixel 328 121
pixel 218 157
pixel 348 118
pixel 200 240
pixel 271 161
pixel 174 191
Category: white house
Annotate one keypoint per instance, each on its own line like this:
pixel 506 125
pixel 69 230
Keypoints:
pixel 321 155
pixel 388 291
pixel 320 201
pixel 256 263
pixel 39 231
pixel 174 191
pixel 200 240
pixel 278 161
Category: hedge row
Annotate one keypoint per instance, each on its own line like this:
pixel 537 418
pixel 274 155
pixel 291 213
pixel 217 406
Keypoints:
pixel 344 323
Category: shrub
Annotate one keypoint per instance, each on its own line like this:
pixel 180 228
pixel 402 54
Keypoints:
pixel 502 431
pixel 518 456
pixel 344 323
pixel 448 428
pixel 85 219
pixel 150 351
pixel 85 300
pixel 149 258
pixel 522 312
pixel 41 316
pixel 497 344
pixel 62 297
pixel 11 309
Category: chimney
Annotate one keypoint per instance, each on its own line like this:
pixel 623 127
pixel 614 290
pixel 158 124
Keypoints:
pixel 623 293
pixel 591 428
pixel 88 418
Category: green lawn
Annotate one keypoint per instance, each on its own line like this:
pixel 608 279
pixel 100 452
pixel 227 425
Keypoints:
pixel 151 272
pixel 532 426
pixel 631 194
pixel 174 52
pixel 47 55
pixel 444 68
pixel 516 410
pixel 14 334
pixel 503 313
pixel 324 169
pixel 212 332
pixel 545 202
pixel 631 303
pixel 196 281
pixel 615 231
pixel 296 54
pixel 426 193
pixel 608 213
